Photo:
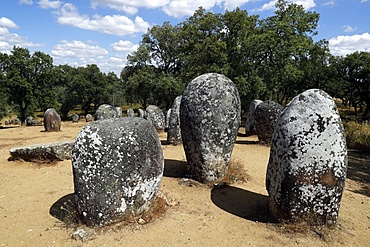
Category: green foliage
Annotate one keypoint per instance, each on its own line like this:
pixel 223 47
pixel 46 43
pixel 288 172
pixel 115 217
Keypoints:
pixel 273 58
pixel 354 80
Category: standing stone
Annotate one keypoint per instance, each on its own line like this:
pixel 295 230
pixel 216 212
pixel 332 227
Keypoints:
pixel 130 112
pixel 117 168
pixel 28 121
pixel 168 115
pixel 75 118
pixel 308 161
pixel 52 120
pixel 141 113
pixel 209 119
pixel 249 127
pixel 265 117
pixel 119 111
pixel 174 130
pixel 156 116
pixel 89 118
pixel 105 111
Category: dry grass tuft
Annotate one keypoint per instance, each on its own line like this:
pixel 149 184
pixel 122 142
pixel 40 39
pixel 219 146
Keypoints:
pixel 358 135
pixel 236 173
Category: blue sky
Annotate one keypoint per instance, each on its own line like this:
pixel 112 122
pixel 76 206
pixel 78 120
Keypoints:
pixel 104 32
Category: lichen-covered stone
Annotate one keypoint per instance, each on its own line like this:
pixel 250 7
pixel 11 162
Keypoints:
pixel 75 118
pixel 88 118
pixel 119 111
pixel 265 117
pixel 210 118
pixel 250 118
pixel 141 113
pixel 50 152
pixel 105 111
pixel 52 120
pixel 308 161
pixel 32 122
pixel 117 168
pixel 168 115
pixel 174 130
pixel 130 112
pixel 156 116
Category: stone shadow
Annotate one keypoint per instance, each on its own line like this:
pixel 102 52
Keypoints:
pixel 358 170
pixel 65 210
pixel 246 142
pixel 242 203
pixel 175 168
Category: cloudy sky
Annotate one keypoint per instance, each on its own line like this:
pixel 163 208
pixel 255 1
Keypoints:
pixel 103 32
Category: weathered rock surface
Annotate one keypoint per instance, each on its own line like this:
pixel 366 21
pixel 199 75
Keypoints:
pixel 249 126
pixel 29 121
pixel 210 118
pixel 174 130
pixel 75 118
pixel 265 117
pixel 52 120
pixel 119 111
pixel 117 167
pixel 156 116
pixel 105 111
pixel 308 161
pixel 141 113
pixel 168 115
pixel 43 153
pixel 130 112
pixel 89 118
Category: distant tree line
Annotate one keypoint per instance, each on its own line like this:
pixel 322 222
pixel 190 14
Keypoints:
pixel 274 58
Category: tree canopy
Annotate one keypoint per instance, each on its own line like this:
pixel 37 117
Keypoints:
pixel 274 58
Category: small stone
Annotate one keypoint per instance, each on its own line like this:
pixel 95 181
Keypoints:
pixel 83 234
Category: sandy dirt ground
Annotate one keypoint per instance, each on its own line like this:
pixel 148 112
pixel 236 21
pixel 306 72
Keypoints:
pixel 196 215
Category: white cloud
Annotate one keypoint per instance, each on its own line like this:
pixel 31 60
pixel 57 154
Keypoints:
pixel 364 1
pixel 77 53
pixel 46 4
pixel 349 29
pixel 115 64
pixel 5 22
pixel 174 8
pixel 328 3
pixel 232 4
pixel 343 45
pixel 29 2
pixel 180 8
pixel 78 49
pixel 9 39
pixel 110 24
pixel 124 46
pixel 130 7
pixel 307 4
